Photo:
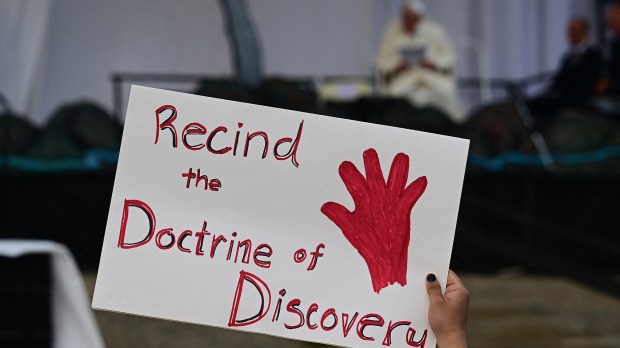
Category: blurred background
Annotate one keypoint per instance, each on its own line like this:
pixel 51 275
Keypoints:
pixel 534 84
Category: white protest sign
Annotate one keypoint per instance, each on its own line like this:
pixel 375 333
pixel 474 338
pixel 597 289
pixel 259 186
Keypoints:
pixel 279 222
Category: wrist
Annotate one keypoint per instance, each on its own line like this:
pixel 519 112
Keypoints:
pixel 456 339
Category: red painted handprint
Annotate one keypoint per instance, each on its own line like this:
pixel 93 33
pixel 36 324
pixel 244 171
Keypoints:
pixel 379 227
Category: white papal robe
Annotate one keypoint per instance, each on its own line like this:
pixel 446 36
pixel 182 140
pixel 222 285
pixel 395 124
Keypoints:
pixel 422 86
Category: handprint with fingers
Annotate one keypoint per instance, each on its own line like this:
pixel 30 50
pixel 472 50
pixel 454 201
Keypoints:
pixel 379 226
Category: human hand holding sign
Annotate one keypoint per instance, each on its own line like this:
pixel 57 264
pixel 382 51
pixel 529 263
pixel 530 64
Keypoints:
pixel 380 225
pixel 447 313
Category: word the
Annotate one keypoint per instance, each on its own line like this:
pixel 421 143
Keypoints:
pixel 200 140
pixel 165 239
pixel 213 184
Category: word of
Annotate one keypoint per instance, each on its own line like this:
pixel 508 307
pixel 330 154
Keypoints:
pixel 200 140
pixel 261 254
pixel 300 256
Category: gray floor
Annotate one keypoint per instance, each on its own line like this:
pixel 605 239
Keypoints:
pixel 506 311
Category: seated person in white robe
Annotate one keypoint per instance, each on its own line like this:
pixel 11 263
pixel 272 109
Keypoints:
pixel 416 61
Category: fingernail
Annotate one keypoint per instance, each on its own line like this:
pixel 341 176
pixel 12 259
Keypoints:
pixel 431 278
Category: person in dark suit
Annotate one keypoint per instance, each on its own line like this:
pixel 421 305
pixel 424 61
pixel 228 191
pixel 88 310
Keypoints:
pixel 610 84
pixel 573 84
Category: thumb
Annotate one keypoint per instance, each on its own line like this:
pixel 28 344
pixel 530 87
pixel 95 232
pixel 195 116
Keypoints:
pixel 434 289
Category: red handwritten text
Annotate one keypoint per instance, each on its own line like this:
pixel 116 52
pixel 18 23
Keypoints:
pixel 195 137
pixel 313 317
pixel 229 248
